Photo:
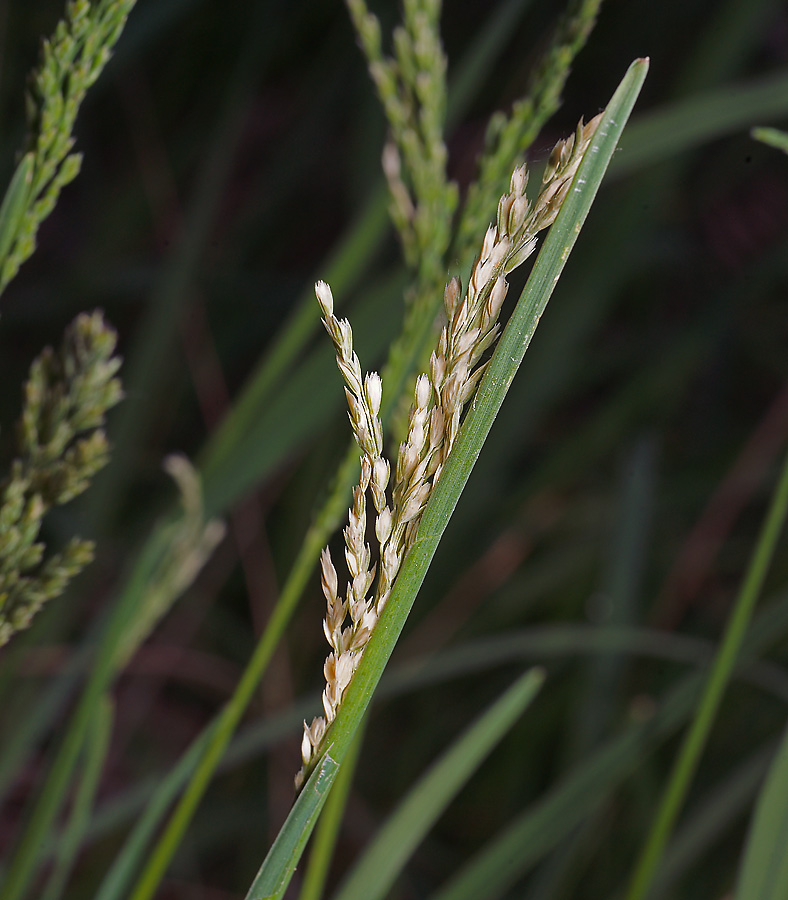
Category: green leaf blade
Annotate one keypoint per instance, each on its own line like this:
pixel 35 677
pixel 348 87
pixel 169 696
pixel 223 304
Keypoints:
pixel 764 869
pixel 280 863
pixel 386 856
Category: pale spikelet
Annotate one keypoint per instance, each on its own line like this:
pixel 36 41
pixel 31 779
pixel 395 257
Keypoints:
pixel 328 576
pixel 325 298
pixel 439 400
pixel 383 526
pixel 364 395
pixel 380 479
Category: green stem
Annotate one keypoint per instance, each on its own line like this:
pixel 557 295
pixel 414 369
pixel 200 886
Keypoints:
pixel 95 755
pixel 50 800
pixel 229 719
pixel 721 671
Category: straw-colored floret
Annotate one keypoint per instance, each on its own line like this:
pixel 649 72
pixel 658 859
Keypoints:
pixel 440 397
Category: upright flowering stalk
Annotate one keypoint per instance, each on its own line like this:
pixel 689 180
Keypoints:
pixel 440 397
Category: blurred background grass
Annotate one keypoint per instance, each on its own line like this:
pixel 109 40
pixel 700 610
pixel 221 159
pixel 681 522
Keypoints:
pixel 228 151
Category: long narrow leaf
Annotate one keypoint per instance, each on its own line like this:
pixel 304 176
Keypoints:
pixel 327 832
pixel 764 870
pixel 499 375
pixel 695 740
pixel 95 754
pixel 278 867
pixel 386 856
pixel 126 863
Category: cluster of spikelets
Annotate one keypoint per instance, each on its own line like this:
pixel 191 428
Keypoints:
pixel 61 445
pixel 440 397
pixel 71 61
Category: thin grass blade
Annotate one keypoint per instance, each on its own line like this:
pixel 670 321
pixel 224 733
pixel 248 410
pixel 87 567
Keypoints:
pixel 764 869
pixel 278 867
pixel 127 862
pixel 695 740
pixel 327 831
pixel 95 754
pixel 386 856
pixel 772 137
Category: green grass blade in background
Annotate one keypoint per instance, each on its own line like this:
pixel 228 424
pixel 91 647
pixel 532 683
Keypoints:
pixel 619 592
pixel 127 861
pixel 381 863
pixel 695 740
pixel 498 866
pixel 343 271
pixel 151 353
pixel 477 64
pixel 615 601
pixel 57 783
pixel 95 753
pixel 712 817
pixel 764 869
pixel 35 714
pixel 691 121
pixel 772 137
pixel 502 368
pixel 723 45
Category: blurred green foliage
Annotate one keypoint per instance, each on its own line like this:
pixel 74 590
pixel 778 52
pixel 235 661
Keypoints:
pixel 61 444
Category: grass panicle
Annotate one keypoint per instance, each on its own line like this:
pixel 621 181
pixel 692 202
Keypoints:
pixel 61 444
pixel 189 540
pixel 411 86
pixel 510 135
pixel 440 397
pixel 71 61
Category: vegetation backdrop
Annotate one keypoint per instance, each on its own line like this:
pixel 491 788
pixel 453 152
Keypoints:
pixel 231 158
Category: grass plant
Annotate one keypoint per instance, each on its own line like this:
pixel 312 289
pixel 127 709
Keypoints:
pixel 557 661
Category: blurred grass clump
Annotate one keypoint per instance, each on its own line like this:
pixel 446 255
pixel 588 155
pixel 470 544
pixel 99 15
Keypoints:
pixel 610 529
